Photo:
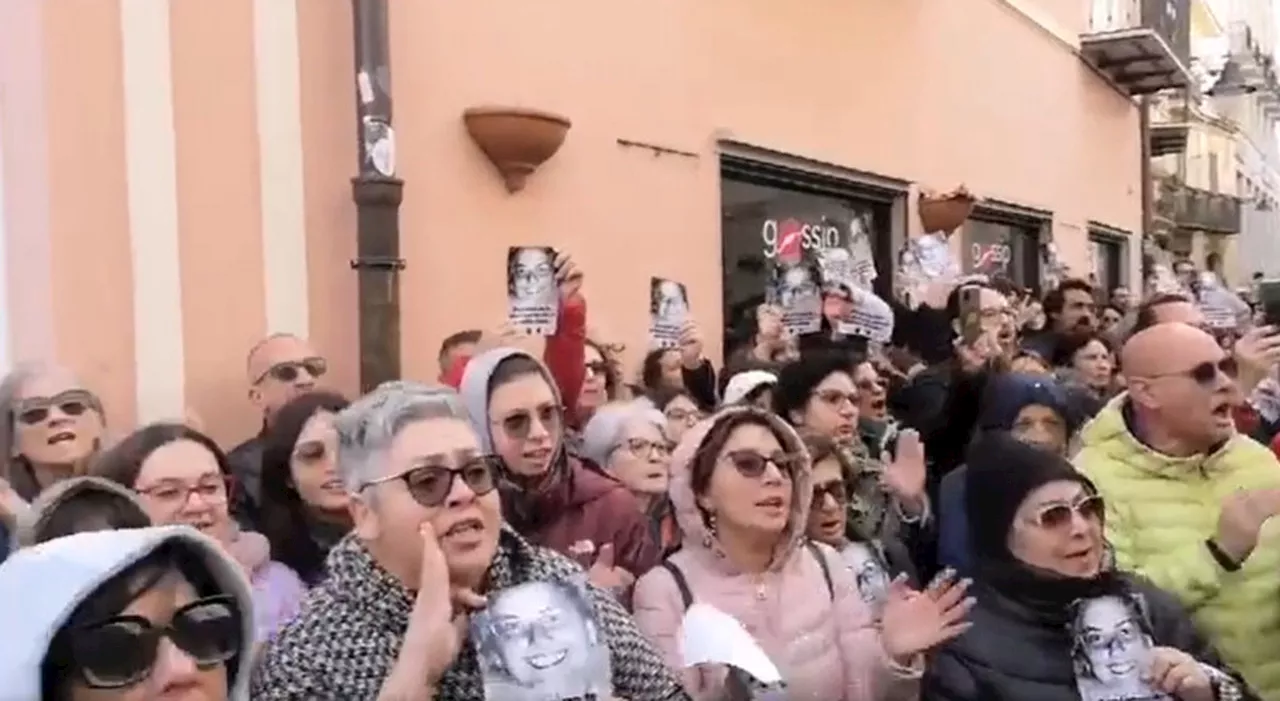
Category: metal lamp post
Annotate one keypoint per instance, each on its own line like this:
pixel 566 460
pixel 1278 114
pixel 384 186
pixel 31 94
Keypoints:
pixel 377 193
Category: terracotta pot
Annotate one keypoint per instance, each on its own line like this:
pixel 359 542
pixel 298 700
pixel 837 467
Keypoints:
pixel 516 140
pixel 945 213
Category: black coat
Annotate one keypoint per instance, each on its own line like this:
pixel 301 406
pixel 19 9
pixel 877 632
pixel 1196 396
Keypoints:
pixel 1010 654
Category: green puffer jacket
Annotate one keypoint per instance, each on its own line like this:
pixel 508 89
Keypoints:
pixel 1160 512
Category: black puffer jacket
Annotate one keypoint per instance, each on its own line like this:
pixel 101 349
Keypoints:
pixel 1013 654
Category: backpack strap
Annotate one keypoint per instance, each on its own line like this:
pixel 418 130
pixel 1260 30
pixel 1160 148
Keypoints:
pixel 681 583
pixel 826 568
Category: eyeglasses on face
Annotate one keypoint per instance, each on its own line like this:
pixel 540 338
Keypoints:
pixel 289 371
pixel 752 465
pixel 36 410
pixel 836 398
pixel 686 416
pixel 212 489
pixel 643 448
pixel 519 424
pixel 121 651
pixel 430 485
pixel 834 489
pixel 1206 374
pixel 1090 507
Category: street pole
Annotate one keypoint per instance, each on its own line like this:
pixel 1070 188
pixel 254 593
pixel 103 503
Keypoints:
pixel 1148 187
pixel 377 193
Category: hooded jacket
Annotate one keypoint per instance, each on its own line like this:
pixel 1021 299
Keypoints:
pixel 581 509
pixel 824 641
pixel 69 570
pixel 1160 511
pixel 59 494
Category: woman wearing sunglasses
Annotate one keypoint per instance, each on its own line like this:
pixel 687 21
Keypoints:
pixel 180 477
pixel 741 485
pixel 1036 526
pixel 428 545
pixel 130 615
pixel 548 496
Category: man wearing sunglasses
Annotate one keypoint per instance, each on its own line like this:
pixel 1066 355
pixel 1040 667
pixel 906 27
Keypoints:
pixel 279 368
pixel 1188 497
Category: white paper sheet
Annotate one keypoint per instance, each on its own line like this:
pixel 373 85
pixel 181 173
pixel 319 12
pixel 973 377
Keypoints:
pixel 711 636
pixel 871 318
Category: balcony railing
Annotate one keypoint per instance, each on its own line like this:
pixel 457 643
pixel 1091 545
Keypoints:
pixel 1143 46
pixel 1193 208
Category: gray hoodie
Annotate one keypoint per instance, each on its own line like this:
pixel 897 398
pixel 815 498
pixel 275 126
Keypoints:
pixel 41 586
pixel 474 388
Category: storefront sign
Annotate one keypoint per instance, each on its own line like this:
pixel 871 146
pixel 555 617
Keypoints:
pixel 990 257
pixel 787 240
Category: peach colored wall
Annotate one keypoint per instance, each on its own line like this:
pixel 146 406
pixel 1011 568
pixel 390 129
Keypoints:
pixel 934 93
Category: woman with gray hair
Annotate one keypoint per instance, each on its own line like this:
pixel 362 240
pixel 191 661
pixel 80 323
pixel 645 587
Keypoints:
pixel 627 440
pixel 52 427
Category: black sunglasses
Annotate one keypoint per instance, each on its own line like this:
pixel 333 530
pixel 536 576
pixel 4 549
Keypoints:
pixel 1206 373
pixel 835 489
pixel 72 403
pixel 121 651
pixel 751 464
pixel 1056 516
pixel 430 485
pixel 288 372
pixel 519 424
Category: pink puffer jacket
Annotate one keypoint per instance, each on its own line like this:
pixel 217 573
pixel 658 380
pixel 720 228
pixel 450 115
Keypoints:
pixel 825 644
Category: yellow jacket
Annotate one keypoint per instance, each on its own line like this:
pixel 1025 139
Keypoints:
pixel 1160 511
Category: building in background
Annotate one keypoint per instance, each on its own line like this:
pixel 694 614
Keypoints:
pixel 1217 196
pixel 178 173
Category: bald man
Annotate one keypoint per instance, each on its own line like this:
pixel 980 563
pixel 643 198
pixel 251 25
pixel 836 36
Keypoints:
pixel 1189 499
pixel 279 368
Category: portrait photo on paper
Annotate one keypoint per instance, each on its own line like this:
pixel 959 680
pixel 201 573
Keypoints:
pixel 796 289
pixel 540 641
pixel 668 311
pixel 1111 646
pixel 533 298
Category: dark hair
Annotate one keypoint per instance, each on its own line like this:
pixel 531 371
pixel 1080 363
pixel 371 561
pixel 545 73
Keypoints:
pixel 115 595
pixel 84 509
pixel 796 380
pixel 284 518
pixel 122 463
pixel 651 368
pixel 1148 314
pixel 1057 297
pixel 461 338
pixel 1064 351
pixel 514 367
pixel 612 374
pixel 663 396
pixel 1115 308
pixel 1007 287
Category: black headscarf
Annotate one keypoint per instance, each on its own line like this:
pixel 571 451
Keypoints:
pixel 1002 471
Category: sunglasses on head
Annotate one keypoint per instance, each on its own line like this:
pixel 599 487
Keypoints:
pixel 519 424
pixel 752 465
pixel 72 403
pixel 288 372
pixel 835 489
pixel 122 651
pixel 430 485
pixel 1056 516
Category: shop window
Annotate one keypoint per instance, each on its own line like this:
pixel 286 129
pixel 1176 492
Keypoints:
pixel 761 202
pixel 1110 260
pixel 1000 245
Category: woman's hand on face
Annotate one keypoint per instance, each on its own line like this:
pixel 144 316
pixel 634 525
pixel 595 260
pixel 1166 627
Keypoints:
pixel 904 474
pixel 1175 672
pixel 568 277
pixel 440 611
pixel 914 622
pixel 690 344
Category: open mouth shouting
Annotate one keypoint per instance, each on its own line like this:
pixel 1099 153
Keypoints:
pixel 61 437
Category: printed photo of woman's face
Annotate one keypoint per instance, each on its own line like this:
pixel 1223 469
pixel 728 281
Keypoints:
pixel 1112 640
pixel 871 577
pixel 797 285
pixel 533 272
pixel 546 642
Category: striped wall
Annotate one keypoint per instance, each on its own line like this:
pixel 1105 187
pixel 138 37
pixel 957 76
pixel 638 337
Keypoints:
pixel 154 214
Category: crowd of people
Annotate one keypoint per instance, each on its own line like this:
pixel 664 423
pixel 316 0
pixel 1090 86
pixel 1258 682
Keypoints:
pixel 1016 499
